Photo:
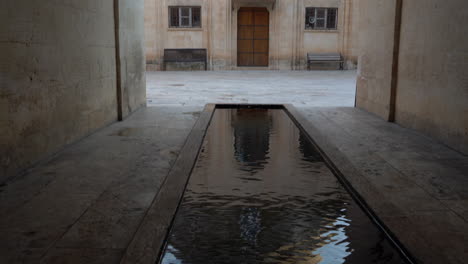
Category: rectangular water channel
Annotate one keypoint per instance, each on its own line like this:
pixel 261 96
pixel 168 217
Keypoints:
pixel 260 192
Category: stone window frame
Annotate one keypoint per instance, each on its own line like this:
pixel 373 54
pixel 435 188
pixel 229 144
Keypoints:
pixel 190 17
pixel 324 18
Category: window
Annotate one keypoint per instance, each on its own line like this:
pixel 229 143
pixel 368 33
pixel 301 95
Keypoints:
pixel 185 16
pixel 321 18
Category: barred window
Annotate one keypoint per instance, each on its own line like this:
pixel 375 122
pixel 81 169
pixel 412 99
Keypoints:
pixel 185 16
pixel 321 18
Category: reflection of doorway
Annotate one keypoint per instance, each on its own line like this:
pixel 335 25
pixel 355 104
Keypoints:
pixel 251 137
pixel 252 36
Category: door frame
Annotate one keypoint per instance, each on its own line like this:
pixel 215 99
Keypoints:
pixel 263 9
pixel 234 26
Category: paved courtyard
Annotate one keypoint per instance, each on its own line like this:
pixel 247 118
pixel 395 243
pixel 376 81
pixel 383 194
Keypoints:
pixel 301 88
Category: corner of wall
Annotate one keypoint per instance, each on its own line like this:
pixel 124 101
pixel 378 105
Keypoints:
pixel 378 59
pixel 131 62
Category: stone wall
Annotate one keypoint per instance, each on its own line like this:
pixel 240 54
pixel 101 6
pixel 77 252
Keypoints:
pixel 351 35
pixel 318 41
pixel 428 88
pixel 152 13
pixel 289 40
pixel 131 58
pixel 58 76
pixel 432 91
pixel 376 38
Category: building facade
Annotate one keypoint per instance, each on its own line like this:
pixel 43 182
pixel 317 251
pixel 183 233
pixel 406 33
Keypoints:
pixel 266 34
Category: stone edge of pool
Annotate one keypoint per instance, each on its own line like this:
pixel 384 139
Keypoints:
pixel 150 238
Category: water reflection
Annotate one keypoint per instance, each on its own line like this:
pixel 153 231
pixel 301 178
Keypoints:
pixel 251 137
pixel 260 193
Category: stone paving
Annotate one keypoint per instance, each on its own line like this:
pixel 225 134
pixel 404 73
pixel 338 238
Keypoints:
pixel 415 185
pixel 85 204
pixel 301 88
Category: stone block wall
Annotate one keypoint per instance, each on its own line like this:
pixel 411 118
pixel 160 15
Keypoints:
pixel 426 87
pixel 432 90
pixel 131 59
pixel 376 46
pixel 58 78
pixel 289 40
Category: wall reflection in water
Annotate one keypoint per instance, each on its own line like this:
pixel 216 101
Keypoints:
pixel 260 193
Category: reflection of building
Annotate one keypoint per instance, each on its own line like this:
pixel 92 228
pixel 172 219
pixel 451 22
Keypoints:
pixel 291 209
pixel 251 137
pixel 264 33
pixel 252 194
pixel 229 147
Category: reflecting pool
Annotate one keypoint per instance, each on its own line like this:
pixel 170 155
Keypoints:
pixel 261 193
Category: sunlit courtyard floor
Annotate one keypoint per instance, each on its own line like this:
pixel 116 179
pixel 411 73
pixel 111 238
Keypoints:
pixel 301 88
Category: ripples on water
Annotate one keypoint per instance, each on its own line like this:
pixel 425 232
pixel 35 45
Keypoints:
pixel 261 193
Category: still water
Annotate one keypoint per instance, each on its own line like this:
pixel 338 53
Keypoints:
pixel 261 193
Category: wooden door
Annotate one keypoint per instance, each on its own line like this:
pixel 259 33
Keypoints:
pixel 253 37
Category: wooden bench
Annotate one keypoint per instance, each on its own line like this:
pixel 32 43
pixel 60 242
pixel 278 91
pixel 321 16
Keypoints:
pixel 185 55
pixel 324 57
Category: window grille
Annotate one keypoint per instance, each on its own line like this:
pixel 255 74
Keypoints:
pixel 185 16
pixel 321 18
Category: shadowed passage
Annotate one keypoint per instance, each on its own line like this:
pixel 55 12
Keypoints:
pixel 261 193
